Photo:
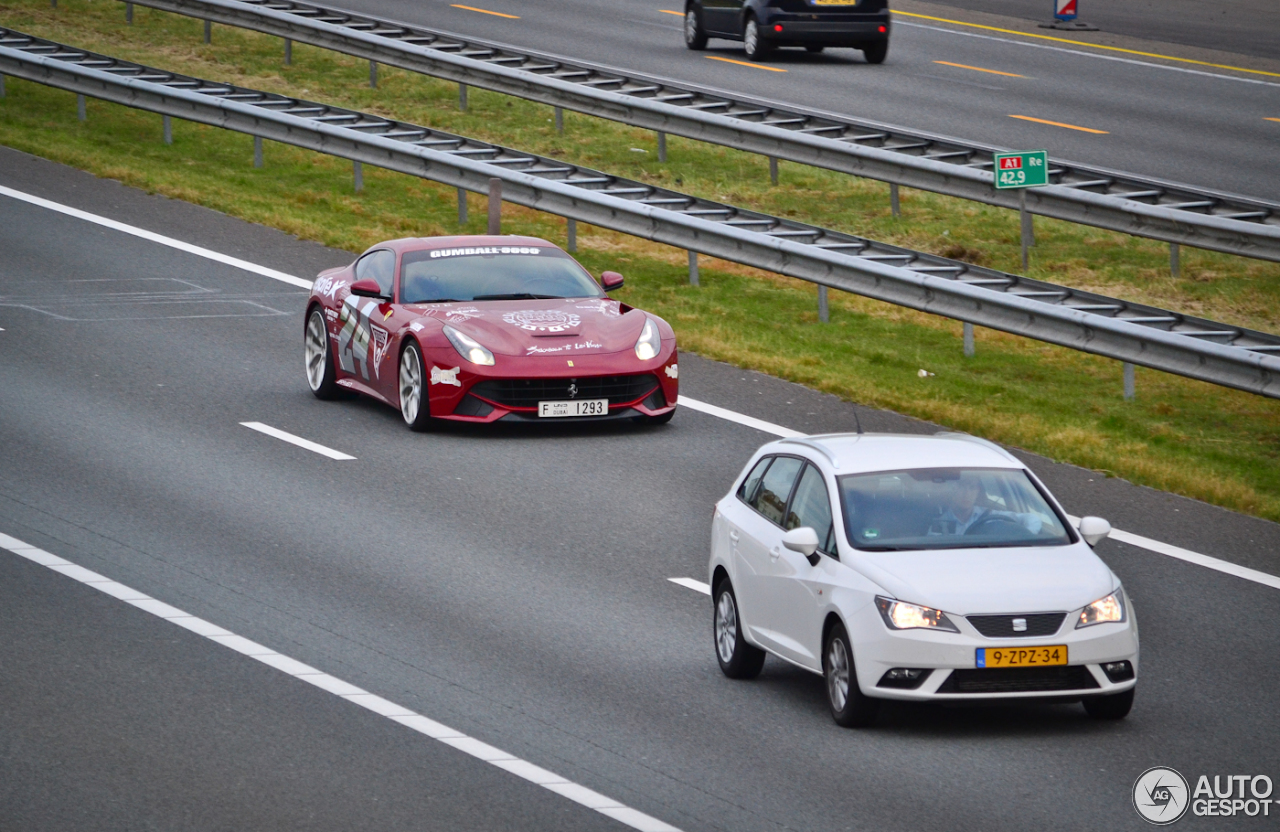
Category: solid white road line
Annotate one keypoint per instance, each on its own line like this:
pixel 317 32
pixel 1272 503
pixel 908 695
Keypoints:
pixel 684 401
pixel 156 238
pixel 696 586
pixel 296 440
pixel 371 702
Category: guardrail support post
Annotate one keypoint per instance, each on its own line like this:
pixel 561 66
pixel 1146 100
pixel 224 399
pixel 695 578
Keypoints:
pixel 462 206
pixel 80 108
pixel 662 146
pixel 894 205
pixel 824 313
pixel 288 52
pixel 373 74
pixel 257 151
pixel 208 31
pixel 968 340
pixel 495 206
pixel 1129 384
pixel 462 97
pixel 572 233
pixel 773 170
pixel 560 120
pixel 1174 254
pixel 168 130
pixel 1 86
pixel 128 13
pixel 357 171
pixel 1027 230
pixel 693 268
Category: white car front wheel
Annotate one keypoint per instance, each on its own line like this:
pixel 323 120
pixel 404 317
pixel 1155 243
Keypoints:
pixel 849 706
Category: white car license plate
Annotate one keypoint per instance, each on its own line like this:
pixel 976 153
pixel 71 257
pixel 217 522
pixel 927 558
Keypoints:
pixel 585 407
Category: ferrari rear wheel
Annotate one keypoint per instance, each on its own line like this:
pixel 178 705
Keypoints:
pixel 413 407
pixel 321 376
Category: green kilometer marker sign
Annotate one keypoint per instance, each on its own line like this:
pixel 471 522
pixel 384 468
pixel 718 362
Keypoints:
pixel 1024 169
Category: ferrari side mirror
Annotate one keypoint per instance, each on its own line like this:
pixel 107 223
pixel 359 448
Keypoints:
pixel 610 281
pixel 367 288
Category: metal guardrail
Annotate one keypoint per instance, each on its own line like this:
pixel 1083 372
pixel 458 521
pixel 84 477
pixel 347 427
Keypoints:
pixel 1193 347
pixel 1124 202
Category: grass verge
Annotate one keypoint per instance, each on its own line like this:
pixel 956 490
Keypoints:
pixel 1183 436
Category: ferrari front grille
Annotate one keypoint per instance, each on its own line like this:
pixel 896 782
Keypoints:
pixel 527 392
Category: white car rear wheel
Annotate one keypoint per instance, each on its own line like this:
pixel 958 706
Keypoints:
pixel 738 659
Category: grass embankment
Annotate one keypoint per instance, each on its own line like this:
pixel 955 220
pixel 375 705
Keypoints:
pixel 1183 436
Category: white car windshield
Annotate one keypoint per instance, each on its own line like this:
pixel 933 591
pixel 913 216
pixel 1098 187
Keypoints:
pixel 947 508
pixel 493 273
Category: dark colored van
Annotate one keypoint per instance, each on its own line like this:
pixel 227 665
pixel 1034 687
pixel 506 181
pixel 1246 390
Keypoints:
pixel 763 25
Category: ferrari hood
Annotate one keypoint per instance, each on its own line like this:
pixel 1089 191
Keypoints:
pixel 579 326
pixel 968 581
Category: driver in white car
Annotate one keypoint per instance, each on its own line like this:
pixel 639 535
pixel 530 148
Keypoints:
pixel 964 511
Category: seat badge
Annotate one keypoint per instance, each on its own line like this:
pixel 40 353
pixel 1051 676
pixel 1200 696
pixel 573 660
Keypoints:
pixel 1019 625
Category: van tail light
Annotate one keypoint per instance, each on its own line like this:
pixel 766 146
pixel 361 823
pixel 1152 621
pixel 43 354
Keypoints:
pixel 884 29
pixel 777 27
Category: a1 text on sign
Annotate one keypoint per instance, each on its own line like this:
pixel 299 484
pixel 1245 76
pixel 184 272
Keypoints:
pixel 1024 169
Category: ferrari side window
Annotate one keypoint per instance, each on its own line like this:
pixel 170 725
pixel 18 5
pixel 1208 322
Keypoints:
pixel 380 266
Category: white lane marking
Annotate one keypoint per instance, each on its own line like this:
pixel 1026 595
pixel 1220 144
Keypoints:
pixel 156 238
pixel 468 745
pixel 733 416
pixel 1087 54
pixel 695 585
pixel 296 440
pixel 692 404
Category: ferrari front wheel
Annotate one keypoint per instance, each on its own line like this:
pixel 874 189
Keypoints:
pixel 321 376
pixel 413 407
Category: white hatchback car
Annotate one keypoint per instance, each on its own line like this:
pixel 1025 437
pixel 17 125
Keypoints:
pixel 927 568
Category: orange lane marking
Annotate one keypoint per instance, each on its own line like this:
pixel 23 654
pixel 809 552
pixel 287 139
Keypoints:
pixel 669 11
pixel 1089 45
pixel 1268 118
pixel 485 11
pixel 980 69
pixel 1060 124
pixel 743 63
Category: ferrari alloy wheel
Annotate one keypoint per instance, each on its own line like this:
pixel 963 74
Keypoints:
pixel 319 359
pixel 849 707
pixel 738 659
pixel 416 412
pixel 694 37
pixel 756 46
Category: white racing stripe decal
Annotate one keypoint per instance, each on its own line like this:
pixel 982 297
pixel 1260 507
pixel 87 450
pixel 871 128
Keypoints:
pixel 684 401
pixel 690 583
pixel 345 690
pixel 156 238
pixel 296 440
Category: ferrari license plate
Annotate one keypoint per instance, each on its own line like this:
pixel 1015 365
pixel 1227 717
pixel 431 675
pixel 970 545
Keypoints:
pixel 585 407
pixel 1022 656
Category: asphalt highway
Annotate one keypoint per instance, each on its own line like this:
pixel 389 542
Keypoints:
pixel 511 583
pixel 1177 121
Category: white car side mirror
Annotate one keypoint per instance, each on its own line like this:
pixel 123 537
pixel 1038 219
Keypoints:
pixel 1094 529
pixel 804 540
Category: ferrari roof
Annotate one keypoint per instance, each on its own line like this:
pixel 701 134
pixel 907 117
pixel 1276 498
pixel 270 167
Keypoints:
pixel 461 241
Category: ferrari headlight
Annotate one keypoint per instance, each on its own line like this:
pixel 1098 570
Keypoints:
pixel 650 344
pixel 900 616
pixel 468 347
pixel 1103 611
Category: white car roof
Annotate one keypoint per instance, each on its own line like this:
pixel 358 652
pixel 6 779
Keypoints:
pixel 861 453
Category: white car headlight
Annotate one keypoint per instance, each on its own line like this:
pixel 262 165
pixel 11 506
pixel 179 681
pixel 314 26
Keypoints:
pixel 1103 611
pixel 650 343
pixel 900 616
pixel 468 347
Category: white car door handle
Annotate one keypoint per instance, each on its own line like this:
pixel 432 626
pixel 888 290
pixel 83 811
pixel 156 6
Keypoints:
pixel 775 553
pixel 733 536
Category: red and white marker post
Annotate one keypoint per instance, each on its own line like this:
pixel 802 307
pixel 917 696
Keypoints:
pixel 1066 15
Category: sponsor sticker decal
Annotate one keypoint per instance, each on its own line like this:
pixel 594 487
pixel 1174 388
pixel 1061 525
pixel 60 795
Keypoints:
pixel 607 308
pixel 484 250
pixel 381 340
pixel 581 345
pixel 542 320
pixel 327 286
pixel 439 375
pixel 672 371
pixel 416 326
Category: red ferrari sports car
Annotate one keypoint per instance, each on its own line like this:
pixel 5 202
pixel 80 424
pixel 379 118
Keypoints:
pixel 477 329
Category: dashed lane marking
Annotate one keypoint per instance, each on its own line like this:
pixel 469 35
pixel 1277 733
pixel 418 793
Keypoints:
pixel 672 11
pixel 690 583
pixel 980 69
pixel 344 690
pixel 486 11
pixel 744 63
pixel 1078 43
pixel 314 447
pixel 1061 124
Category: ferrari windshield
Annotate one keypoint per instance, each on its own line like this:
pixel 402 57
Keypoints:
pixel 492 273
pixel 947 508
